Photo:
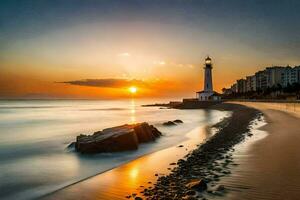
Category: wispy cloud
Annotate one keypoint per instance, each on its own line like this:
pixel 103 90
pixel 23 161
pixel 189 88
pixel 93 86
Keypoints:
pixel 181 65
pixel 125 54
pixel 110 82
pixel 159 62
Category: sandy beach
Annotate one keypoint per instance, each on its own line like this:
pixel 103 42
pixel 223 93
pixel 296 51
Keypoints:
pixel 270 168
pixel 139 175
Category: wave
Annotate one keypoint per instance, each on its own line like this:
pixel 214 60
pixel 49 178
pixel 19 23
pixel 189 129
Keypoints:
pixel 30 107
pixel 104 109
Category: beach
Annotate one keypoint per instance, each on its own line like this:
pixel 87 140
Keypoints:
pixel 270 168
pixel 144 174
pixel 242 150
pixel 265 166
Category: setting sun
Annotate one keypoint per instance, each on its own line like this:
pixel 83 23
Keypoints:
pixel 132 90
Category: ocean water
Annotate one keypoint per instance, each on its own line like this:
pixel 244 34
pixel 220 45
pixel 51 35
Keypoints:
pixel 34 135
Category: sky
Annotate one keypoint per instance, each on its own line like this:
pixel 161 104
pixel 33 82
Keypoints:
pixel 99 48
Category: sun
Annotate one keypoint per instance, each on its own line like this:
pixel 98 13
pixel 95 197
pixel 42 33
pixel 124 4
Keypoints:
pixel 132 89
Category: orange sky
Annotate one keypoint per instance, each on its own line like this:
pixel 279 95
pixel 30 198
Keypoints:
pixel 46 48
pixel 154 78
pixel 158 79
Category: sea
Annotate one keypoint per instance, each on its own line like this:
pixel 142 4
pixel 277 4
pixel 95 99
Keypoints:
pixel 34 136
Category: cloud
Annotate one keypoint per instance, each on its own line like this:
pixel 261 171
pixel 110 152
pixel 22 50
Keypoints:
pixel 160 62
pixel 125 54
pixel 109 83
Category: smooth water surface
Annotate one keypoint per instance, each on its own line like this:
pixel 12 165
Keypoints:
pixel 34 135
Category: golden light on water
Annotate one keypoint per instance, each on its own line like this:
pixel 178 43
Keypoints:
pixel 134 173
pixel 132 111
pixel 133 89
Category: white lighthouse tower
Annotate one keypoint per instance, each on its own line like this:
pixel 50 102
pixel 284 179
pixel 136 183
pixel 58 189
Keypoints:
pixel 208 93
pixel 208 86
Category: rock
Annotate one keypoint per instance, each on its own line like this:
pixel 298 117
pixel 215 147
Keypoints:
pixel 173 163
pixel 119 138
pixel 178 121
pixel 181 145
pixel 190 193
pixel 138 198
pixel 220 188
pixel 71 145
pixel 199 185
pixel 169 123
pixel 146 132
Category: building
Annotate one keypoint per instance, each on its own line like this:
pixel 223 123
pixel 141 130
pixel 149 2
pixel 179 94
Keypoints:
pixel 234 88
pixel 253 83
pixel 227 91
pixel 298 73
pixel 208 94
pixel 241 85
pixel 289 76
pixel 274 76
pixel 261 80
pixel 250 83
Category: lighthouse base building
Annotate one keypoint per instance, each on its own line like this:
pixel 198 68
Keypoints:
pixel 208 96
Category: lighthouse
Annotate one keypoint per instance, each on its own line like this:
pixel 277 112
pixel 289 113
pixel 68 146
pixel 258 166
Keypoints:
pixel 208 94
pixel 208 86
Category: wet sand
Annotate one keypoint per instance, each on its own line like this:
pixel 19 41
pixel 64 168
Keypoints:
pixel 270 168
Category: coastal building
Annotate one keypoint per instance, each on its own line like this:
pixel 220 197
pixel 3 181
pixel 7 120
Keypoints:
pixel 274 76
pixel 241 86
pixel 289 76
pixel 298 73
pixel 261 80
pixel 234 88
pixel 208 94
pixel 227 91
pixel 253 83
pixel 250 83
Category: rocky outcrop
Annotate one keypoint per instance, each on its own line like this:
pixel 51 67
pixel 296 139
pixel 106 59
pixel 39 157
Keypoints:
pixel 173 123
pixel 178 121
pixel 169 123
pixel 115 139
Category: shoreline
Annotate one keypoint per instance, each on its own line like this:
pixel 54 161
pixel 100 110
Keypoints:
pixel 207 163
pixel 88 183
pixel 131 170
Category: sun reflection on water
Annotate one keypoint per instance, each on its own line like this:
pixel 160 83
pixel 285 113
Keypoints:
pixel 134 172
pixel 132 111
